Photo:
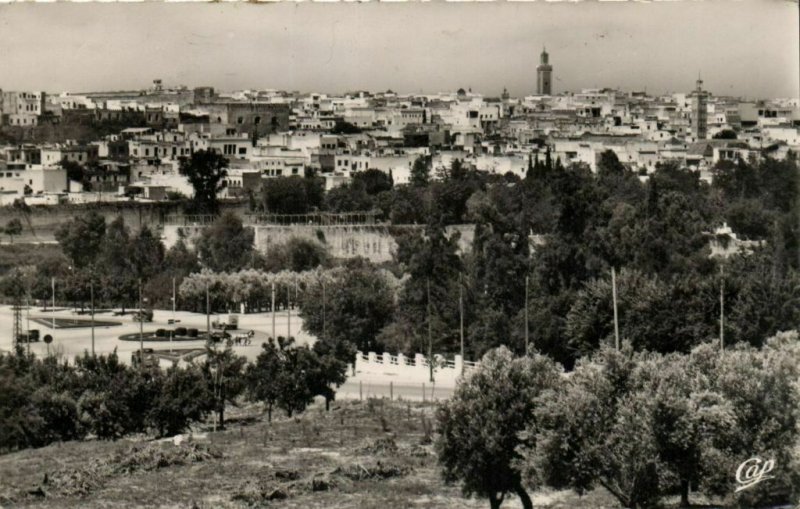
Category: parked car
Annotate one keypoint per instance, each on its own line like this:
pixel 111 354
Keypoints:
pixel 31 336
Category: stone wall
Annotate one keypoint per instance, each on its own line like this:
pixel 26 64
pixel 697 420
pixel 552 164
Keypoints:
pixel 41 222
pixel 376 243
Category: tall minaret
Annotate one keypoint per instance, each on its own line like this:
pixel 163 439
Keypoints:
pixel 699 111
pixel 544 75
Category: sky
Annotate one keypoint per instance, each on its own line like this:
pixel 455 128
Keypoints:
pixel 747 48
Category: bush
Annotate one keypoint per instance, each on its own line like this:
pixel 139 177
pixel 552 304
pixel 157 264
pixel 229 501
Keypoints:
pixel 161 333
pixel 103 414
pixel 192 333
pixel 180 331
pixel 58 413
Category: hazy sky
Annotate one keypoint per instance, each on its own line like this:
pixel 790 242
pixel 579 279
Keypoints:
pixel 747 48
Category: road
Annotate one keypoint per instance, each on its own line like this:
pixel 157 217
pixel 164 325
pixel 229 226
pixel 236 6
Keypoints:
pixel 69 343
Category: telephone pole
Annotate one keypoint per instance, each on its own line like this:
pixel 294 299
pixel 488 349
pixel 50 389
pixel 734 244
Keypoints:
pixel 430 329
pixel 91 299
pixel 274 337
pixel 288 314
pixel 208 314
pixel 461 318
pixel 527 343
pixel 614 297
pixel 721 307
pixel 141 328
pixel 324 320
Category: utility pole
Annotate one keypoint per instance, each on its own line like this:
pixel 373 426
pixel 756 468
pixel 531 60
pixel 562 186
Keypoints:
pixel 527 342
pixel 430 329
pixel 91 299
pixel 614 297
pixel 141 328
pixel 324 321
pixel 53 287
pixel 208 314
pixel 174 300
pixel 288 314
pixel 273 312
pixel 721 307
pixel 461 319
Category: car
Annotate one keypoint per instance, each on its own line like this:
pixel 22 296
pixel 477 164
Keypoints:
pixel 31 336
pixel 143 315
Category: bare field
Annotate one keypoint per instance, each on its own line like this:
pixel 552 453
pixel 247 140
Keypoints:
pixel 371 454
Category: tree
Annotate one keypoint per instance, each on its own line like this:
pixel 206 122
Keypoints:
pixel 263 376
pixel 206 171
pixel 297 255
pixel 226 245
pixel 13 228
pixel 344 127
pixel 374 181
pixel 725 134
pixel 421 171
pixel 595 430
pixel 181 400
pixel 327 373
pixel 295 389
pixel 480 425
pixel 358 302
pixel 116 265
pixel 290 195
pixel 223 371
pixel 609 164
pixel 82 238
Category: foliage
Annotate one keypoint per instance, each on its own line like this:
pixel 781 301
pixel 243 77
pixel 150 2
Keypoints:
pixel 13 228
pixel 226 245
pixel 358 302
pixel 292 195
pixel 206 171
pixel 297 254
pixel 480 426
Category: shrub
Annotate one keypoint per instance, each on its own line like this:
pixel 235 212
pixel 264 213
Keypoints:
pixel 180 331
pixel 161 333
pixel 192 333
pixel 103 414
pixel 58 414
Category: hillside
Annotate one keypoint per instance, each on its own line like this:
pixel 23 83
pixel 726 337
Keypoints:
pixel 371 454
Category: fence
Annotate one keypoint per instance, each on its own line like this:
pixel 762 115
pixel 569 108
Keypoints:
pixel 402 364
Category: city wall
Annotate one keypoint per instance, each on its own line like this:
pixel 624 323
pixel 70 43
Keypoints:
pixel 377 243
pixel 40 223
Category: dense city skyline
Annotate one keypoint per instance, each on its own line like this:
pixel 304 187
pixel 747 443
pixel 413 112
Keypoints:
pixel 330 48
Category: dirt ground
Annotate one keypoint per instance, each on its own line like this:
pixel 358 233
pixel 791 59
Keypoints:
pixel 361 454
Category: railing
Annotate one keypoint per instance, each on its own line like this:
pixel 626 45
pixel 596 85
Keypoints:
pixel 189 220
pixel 316 219
pixel 419 361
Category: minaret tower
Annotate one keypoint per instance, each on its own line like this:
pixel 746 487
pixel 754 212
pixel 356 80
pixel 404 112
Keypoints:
pixel 544 75
pixel 699 111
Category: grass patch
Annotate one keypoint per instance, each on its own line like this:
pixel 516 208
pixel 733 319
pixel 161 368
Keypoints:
pixel 73 323
pixel 372 454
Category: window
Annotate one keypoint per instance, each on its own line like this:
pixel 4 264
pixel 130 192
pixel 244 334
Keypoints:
pixel 240 120
pixel 242 151
pixel 257 120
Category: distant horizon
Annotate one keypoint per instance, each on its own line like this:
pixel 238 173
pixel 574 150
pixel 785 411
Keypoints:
pixel 413 48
